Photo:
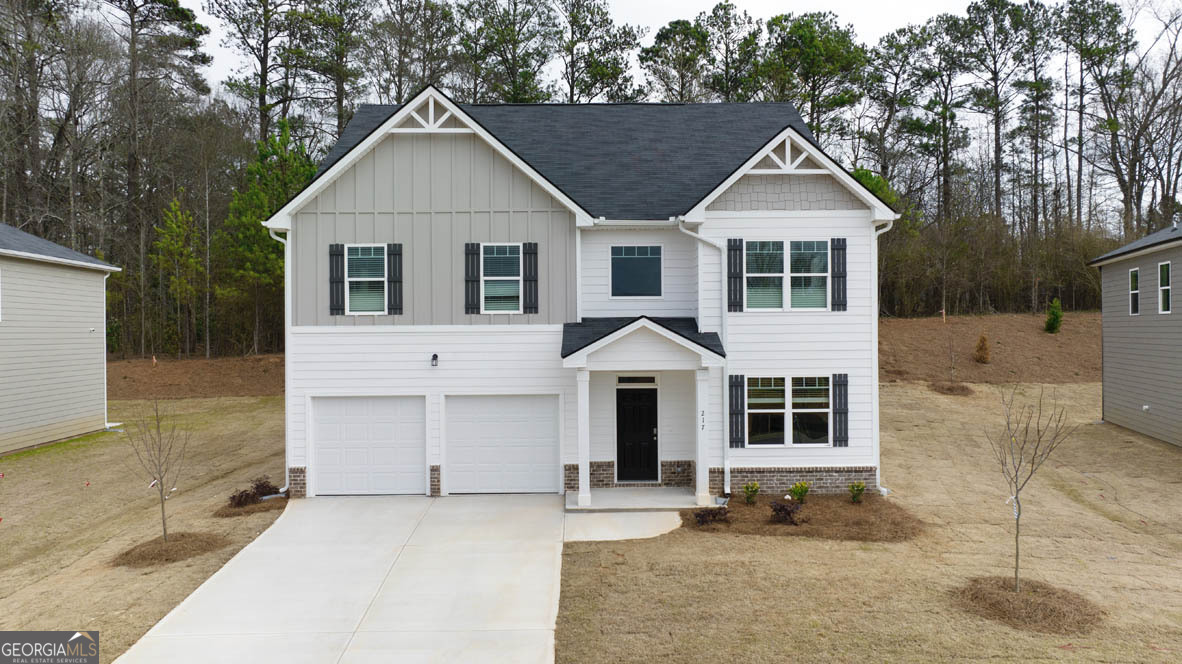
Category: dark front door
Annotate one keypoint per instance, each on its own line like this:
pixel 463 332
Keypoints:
pixel 636 435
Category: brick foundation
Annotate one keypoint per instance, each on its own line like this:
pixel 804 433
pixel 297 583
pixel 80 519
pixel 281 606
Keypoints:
pixel 603 475
pixel 822 480
pixel 434 480
pixel 297 482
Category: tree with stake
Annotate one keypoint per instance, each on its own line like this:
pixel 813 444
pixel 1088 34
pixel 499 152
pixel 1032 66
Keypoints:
pixel 1032 434
pixel 159 447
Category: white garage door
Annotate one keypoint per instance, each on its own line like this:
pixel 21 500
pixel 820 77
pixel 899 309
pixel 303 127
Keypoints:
pixel 368 445
pixel 502 444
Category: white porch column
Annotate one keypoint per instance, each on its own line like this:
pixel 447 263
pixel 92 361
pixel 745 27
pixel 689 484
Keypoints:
pixel 583 381
pixel 702 462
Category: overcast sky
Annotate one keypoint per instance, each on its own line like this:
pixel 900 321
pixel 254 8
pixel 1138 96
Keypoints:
pixel 871 19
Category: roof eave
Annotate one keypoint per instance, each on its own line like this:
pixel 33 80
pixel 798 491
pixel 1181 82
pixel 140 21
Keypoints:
pixel 1153 248
pixel 103 267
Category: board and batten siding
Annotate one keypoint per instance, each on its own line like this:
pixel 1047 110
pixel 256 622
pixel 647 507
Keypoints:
pixel 679 270
pixel 1143 353
pixel 52 352
pixel 802 343
pixel 432 193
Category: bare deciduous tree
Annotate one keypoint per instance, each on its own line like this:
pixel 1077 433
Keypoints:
pixel 159 447
pixel 1032 433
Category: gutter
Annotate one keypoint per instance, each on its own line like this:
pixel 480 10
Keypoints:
pixel 726 447
pixel 286 337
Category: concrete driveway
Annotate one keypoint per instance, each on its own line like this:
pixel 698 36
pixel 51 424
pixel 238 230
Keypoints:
pixel 379 579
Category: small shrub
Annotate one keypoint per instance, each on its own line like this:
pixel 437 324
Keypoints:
pixel 1054 316
pixel 750 491
pixel 262 487
pixel 243 498
pixel 785 512
pixel 856 491
pixel 708 515
pixel 981 354
pixel 798 491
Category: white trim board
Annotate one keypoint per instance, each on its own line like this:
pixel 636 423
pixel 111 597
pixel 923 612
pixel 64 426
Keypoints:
pixel 58 261
pixel 281 220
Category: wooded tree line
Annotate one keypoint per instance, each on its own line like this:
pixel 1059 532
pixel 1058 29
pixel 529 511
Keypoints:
pixel 1018 140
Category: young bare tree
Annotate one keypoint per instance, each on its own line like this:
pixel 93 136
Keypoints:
pixel 159 447
pixel 1032 433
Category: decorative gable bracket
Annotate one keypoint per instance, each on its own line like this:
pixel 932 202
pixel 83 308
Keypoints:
pixel 431 118
pixel 787 158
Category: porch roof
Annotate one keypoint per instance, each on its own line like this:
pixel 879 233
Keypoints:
pixel 577 336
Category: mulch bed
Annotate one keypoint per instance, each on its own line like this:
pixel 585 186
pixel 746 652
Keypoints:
pixel 179 546
pixel 225 511
pixel 952 388
pixel 875 519
pixel 1038 607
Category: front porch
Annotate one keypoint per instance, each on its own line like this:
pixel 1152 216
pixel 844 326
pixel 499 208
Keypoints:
pixel 645 413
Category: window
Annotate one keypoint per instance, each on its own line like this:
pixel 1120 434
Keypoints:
pixel 1134 292
pixel 365 274
pixel 1165 303
pixel 500 283
pixel 768 413
pixel 765 275
pixel 810 274
pixel 642 381
pixel 636 271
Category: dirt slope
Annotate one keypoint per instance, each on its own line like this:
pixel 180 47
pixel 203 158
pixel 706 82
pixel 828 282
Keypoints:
pixel 1020 351
pixel 254 376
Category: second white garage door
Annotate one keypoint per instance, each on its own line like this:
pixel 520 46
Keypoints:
pixel 502 444
pixel 369 445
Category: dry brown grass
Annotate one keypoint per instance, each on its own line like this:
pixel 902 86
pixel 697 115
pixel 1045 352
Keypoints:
pixel 1103 519
pixel 951 388
pixel 875 519
pixel 178 547
pixel 71 507
pixel 1037 607
pixel 225 511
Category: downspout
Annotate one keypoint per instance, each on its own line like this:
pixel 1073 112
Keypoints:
pixel 874 335
pixel 726 446
pixel 286 339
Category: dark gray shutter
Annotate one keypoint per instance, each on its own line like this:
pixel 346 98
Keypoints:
pixel 336 280
pixel 837 273
pixel 529 277
pixel 734 275
pixel 738 397
pixel 394 279
pixel 472 278
pixel 841 410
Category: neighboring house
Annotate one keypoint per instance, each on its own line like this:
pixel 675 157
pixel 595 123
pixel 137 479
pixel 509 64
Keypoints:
pixel 53 353
pixel 1142 335
pixel 550 298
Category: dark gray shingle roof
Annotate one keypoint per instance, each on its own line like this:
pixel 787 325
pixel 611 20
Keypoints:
pixel 1168 234
pixel 576 336
pixel 14 239
pixel 619 161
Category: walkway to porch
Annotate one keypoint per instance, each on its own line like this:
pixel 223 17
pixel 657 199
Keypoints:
pixel 644 499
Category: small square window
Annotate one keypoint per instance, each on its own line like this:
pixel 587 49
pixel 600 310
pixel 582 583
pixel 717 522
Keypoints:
pixel 636 271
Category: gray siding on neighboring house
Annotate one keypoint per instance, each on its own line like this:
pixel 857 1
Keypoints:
pixel 52 366
pixel 786 192
pixel 432 193
pixel 1143 354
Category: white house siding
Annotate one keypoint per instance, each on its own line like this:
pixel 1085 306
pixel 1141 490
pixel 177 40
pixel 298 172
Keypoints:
pixel 679 266
pixel 1143 353
pixel 52 352
pixel 328 361
pixel 807 343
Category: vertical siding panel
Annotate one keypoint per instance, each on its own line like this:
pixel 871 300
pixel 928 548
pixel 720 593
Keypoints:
pixel 384 176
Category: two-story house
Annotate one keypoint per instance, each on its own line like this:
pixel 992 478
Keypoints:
pixel 555 298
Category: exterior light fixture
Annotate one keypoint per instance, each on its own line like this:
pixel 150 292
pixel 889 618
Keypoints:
pixel 434 359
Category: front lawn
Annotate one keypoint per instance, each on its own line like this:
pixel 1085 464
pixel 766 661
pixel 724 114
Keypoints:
pixel 1103 519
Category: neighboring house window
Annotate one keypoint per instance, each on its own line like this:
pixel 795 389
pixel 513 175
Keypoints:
pixel 365 276
pixel 636 271
pixel 1164 301
pixel 1134 291
pixel 765 275
pixel 500 283
pixel 808 275
pixel 769 413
